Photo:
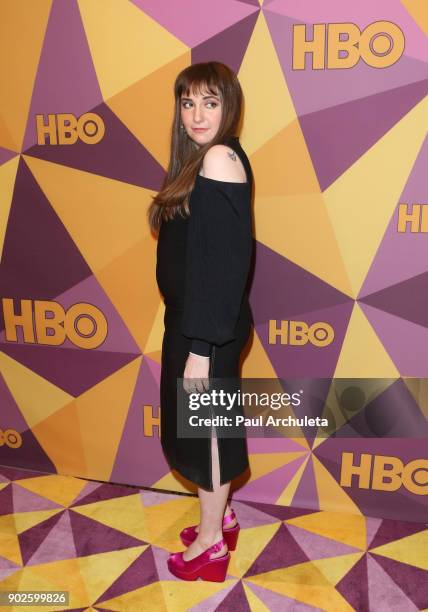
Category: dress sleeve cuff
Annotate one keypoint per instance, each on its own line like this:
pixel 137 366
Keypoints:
pixel 200 347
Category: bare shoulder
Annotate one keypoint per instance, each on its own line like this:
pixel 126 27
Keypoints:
pixel 223 164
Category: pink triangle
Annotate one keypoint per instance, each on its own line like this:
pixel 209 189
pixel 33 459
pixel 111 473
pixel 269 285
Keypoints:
pixel 405 342
pixel 384 593
pixel 273 601
pixel 306 495
pixel 27 501
pixel 193 21
pixel 58 544
pixel 268 488
pixel 66 81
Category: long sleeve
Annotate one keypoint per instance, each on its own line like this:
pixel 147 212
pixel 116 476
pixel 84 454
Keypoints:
pixel 218 256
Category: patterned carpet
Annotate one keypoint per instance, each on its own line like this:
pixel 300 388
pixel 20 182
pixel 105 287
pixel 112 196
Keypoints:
pixel 108 544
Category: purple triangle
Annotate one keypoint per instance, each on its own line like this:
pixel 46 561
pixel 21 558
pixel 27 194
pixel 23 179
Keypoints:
pixel 17 473
pixel 91 536
pixel 270 486
pixel 140 573
pixel 27 501
pixel 399 301
pixel 6 155
pixel 273 601
pixel 31 455
pixel 33 537
pixel 228 46
pixel 66 81
pixel 338 136
pixel 50 263
pixel 384 594
pixel 134 165
pixel 311 301
pixel 402 255
pixel 354 586
pixel 309 293
pixel 10 410
pixel 282 513
pixel 215 600
pixel 103 492
pixel 6 501
pixel 334 87
pixel 235 600
pixel 306 494
pixel 57 545
pixel 73 370
pixel 131 467
pixel 193 21
pixel 7 568
pixel 411 580
pixel 282 551
pixel 405 342
pixel 389 531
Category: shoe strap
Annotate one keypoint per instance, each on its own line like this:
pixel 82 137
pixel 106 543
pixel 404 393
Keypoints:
pixel 217 546
pixel 229 518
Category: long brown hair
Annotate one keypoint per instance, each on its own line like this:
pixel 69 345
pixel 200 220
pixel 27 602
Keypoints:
pixel 185 159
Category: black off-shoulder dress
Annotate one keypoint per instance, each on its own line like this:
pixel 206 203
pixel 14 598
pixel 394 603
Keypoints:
pixel 202 269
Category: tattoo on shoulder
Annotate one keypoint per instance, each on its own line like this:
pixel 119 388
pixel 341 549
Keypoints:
pixel 232 155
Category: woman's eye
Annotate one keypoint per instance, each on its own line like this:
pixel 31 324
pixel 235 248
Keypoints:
pixel 214 104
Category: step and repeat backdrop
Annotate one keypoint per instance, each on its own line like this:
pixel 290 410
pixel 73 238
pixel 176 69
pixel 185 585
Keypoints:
pixel 336 116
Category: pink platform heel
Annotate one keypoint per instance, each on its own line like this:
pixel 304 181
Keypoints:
pixel 213 570
pixel 188 535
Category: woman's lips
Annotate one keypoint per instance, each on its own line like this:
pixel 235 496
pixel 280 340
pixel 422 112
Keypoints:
pixel 199 129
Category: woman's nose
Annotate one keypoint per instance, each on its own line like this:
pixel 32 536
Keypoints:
pixel 197 114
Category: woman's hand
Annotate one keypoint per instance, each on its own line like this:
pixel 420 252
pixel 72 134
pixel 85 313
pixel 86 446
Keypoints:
pixel 195 377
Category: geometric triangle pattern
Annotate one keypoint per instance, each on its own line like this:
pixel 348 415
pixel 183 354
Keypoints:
pixel 107 545
pixel 341 220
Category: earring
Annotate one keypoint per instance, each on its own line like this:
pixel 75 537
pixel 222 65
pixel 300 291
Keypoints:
pixel 181 126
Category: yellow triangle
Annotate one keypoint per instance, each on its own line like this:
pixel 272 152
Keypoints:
pixel 346 528
pixel 104 217
pixel 418 388
pixel 174 482
pixel 7 182
pixel 331 496
pixel 130 283
pixel 418 9
pixel 154 339
pixel 283 167
pixel 36 397
pixel 61 575
pixel 256 363
pixel 126 44
pixel 251 543
pixel 264 463
pixel 147 107
pixel 22 32
pixel 286 497
pixel 362 200
pixel 411 550
pixel 362 354
pixel 60 489
pixel 305 583
pixel 9 542
pixel 335 568
pixel 149 597
pixel 100 571
pixel 104 409
pixel 268 104
pixel 180 595
pixel 255 604
pixel 125 514
pixel 299 228
pixel 26 520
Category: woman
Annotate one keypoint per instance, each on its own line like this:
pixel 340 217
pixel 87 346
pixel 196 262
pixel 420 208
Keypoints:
pixel 203 215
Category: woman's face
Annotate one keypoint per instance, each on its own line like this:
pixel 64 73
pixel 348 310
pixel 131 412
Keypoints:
pixel 201 115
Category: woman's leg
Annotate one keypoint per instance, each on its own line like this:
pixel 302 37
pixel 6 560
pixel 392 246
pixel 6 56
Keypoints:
pixel 213 505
